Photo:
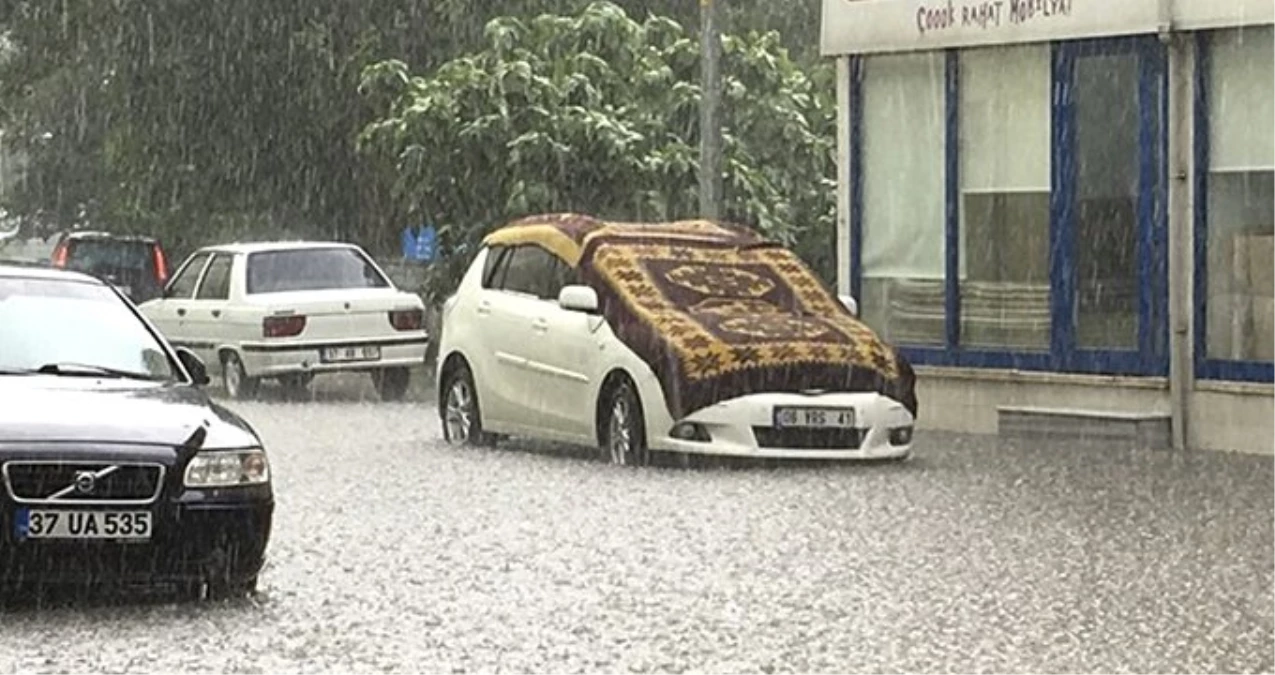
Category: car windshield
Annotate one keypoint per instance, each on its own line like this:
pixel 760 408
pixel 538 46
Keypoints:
pixel 69 326
pixel 312 269
pixel 92 255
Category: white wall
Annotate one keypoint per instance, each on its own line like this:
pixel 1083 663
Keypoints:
pixel 1200 14
pixel 1223 417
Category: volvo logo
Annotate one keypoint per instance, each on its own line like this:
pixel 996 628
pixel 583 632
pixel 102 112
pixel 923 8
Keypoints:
pixel 85 482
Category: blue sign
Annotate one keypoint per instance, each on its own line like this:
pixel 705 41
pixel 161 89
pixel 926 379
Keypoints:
pixel 420 243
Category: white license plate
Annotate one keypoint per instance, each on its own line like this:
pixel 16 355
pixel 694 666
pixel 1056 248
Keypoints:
pixel 50 524
pixel 817 418
pixel 343 354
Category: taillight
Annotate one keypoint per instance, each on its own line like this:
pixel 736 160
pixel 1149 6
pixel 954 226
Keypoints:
pixel 282 326
pixel 60 254
pixel 161 265
pixel 407 319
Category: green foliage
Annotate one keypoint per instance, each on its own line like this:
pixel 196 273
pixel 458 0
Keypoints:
pixel 238 119
pixel 598 113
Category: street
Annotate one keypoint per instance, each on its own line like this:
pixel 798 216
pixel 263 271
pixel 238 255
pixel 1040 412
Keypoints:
pixel 394 552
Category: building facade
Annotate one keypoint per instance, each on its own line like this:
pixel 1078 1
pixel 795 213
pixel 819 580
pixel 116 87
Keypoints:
pixel 1065 205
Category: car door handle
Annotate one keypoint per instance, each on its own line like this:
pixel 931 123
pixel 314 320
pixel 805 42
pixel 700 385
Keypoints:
pixel 181 312
pixel 216 313
pixel 484 308
pixel 540 325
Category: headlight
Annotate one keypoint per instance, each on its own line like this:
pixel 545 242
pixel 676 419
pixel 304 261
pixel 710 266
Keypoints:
pixel 228 468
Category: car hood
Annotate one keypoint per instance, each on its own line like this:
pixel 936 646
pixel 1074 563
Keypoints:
pixel 90 410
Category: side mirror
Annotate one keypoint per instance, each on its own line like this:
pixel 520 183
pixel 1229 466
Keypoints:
pixel 193 365
pixel 578 299
pixel 851 304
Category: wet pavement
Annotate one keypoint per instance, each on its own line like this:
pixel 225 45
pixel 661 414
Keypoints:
pixel 395 553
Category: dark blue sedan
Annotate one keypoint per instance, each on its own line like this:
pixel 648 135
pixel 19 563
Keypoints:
pixel 116 466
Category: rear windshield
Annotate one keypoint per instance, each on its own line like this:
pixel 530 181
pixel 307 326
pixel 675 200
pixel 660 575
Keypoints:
pixel 314 269
pixel 93 255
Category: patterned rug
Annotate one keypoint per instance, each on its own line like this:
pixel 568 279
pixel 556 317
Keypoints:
pixel 718 311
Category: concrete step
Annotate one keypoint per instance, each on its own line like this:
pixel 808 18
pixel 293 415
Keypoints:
pixel 1144 430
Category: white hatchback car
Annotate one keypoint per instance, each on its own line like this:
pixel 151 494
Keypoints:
pixel 687 337
pixel 290 310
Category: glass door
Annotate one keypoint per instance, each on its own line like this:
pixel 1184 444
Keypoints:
pixel 1108 294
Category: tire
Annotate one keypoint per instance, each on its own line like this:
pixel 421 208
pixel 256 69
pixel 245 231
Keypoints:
pixel 235 379
pixel 232 590
pixel 219 589
pixel 296 385
pixel 459 412
pixel 391 383
pixel 623 437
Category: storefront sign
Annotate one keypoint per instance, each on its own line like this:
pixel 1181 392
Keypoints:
pixel 987 14
pixel 872 26
pixel 867 26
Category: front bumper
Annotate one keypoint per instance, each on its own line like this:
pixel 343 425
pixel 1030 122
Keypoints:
pixel 744 427
pixel 200 535
pixel 273 358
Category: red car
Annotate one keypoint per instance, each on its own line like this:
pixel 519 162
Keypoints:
pixel 136 265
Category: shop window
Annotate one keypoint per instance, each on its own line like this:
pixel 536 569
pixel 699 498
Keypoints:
pixel 1240 195
pixel 1106 192
pixel 1019 188
pixel 1004 202
pixel 902 169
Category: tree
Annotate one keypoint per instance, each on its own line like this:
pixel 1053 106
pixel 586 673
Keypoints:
pixel 597 112
pixel 201 121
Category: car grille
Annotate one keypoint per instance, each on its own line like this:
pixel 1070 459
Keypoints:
pixel 809 439
pixel 66 482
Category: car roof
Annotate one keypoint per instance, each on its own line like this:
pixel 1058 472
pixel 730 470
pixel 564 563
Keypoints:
pixel 566 235
pixel 96 234
pixel 22 269
pixel 264 246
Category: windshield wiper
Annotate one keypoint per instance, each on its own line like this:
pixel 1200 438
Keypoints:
pixel 67 369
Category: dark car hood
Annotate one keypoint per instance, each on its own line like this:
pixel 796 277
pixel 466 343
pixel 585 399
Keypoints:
pixel 91 410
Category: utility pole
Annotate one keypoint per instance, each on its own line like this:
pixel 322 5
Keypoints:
pixel 710 125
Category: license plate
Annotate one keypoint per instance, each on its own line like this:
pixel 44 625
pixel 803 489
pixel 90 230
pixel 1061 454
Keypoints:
pixel 51 524
pixel 818 418
pixel 342 354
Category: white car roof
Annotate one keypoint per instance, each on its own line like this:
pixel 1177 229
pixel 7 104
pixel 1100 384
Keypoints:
pixel 21 270
pixel 258 247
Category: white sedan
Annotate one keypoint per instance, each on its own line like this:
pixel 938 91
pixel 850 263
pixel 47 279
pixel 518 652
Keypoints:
pixel 290 310
pixel 673 338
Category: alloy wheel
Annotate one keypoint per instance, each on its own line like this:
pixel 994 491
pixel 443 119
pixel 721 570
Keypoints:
pixel 620 436
pixel 459 411
pixel 231 378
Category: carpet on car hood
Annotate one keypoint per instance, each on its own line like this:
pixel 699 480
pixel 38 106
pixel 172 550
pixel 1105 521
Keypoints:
pixel 718 311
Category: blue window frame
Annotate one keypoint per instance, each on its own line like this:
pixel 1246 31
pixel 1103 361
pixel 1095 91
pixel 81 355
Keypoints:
pixel 1205 367
pixel 1149 353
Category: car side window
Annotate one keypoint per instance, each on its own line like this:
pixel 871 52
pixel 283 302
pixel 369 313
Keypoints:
pixel 494 266
pixel 183 285
pixel 560 276
pixel 529 271
pixel 216 283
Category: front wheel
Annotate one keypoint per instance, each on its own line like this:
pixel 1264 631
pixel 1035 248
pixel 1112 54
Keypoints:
pixel 624 427
pixel 461 417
